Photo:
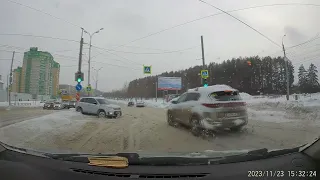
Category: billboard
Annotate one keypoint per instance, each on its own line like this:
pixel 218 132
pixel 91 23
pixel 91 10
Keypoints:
pixel 169 83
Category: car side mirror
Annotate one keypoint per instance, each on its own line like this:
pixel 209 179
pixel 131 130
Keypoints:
pixel 174 102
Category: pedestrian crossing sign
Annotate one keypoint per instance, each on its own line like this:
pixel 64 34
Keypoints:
pixel 146 69
pixel 204 74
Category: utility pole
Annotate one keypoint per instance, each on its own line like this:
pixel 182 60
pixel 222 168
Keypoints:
pixel 203 61
pixel 10 78
pixel 89 63
pixel 79 74
pixel 202 50
pixel 287 69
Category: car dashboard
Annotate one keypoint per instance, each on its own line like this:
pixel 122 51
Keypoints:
pixel 16 165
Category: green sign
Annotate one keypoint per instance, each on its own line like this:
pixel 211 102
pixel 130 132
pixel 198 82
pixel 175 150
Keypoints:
pixel 204 74
pixel 88 88
pixel 146 69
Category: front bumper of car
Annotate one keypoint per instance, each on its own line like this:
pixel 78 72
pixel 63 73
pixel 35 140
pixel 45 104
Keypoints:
pixel 114 113
pixel 210 124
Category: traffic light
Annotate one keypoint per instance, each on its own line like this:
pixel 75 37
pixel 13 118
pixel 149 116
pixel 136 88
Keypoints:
pixel 79 77
pixel 205 82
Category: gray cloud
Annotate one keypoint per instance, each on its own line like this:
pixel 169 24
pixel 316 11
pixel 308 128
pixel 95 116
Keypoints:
pixel 124 21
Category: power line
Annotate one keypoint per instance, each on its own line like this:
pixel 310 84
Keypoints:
pixel 30 35
pixel 241 22
pixel 68 22
pixel 166 52
pixel 212 15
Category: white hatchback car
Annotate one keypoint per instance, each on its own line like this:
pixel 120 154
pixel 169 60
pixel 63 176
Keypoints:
pixel 98 106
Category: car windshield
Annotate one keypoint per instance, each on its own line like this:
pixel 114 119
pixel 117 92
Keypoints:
pixel 159 76
pixel 225 96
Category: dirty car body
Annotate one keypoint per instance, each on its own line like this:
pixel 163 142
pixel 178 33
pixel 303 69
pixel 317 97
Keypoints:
pixel 210 108
pixel 98 106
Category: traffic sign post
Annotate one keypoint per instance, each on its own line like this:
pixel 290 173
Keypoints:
pixel 77 96
pixel 78 87
pixel 88 88
pixel 204 74
pixel 146 69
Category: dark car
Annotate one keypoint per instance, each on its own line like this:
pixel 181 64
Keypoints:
pixel 48 105
pixel 130 103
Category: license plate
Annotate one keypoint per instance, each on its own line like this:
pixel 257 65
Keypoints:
pixel 232 114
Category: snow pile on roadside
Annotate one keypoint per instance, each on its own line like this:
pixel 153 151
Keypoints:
pixel 55 122
pixel 22 104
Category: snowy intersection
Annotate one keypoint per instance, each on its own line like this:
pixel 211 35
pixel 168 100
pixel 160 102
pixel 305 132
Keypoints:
pixel 273 123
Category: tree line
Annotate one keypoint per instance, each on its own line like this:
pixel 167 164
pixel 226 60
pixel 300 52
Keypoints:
pixel 254 75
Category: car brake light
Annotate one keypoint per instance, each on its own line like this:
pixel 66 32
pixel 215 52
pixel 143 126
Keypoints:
pixel 216 105
pixel 211 105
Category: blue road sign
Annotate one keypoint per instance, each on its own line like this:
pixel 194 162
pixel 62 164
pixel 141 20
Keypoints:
pixel 78 87
pixel 147 69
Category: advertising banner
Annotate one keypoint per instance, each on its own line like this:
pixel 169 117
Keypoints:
pixel 169 83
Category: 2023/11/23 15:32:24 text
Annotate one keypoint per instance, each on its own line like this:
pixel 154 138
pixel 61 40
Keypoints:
pixel 306 174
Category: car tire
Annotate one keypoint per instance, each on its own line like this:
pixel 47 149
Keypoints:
pixel 236 128
pixel 80 110
pixel 101 114
pixel 195 128
pixel 170 119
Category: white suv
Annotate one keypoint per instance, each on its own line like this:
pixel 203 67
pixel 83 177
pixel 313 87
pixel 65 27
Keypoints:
pixel 98 106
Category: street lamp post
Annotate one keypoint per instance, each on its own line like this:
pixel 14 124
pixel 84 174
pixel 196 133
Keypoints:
pixel 97 74
pixel 287 68
pixel 90 45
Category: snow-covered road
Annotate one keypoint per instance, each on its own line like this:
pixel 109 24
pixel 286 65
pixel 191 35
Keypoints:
pixel 146 129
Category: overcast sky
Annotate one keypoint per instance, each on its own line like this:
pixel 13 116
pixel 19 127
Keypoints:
pixel 127 20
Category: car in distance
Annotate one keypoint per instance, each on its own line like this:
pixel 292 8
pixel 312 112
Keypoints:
pixel 209 108
pixel 131 103
pixel 98 106
pixel 58 106
pixel 48 105
pixel 140 104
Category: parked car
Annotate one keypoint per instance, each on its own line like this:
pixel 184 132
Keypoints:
pixel 58 106
pixel 140 104
pixel 98 106
pixel 48 105
pixel 209 108
pixel 131 103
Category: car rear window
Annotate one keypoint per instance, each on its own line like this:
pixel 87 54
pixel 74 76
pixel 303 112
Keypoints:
pixel 225 96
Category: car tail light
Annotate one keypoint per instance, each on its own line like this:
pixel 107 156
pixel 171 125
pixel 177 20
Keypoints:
pixel 217 105
pixel 211 105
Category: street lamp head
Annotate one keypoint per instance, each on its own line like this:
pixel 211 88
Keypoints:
pixel 101 29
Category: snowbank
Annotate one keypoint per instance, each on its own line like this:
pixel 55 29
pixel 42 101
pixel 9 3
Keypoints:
pixel 22 104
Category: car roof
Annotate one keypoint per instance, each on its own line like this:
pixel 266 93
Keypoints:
pixel 214 88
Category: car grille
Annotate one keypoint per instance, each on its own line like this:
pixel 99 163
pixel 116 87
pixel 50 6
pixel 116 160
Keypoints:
pixel 117 109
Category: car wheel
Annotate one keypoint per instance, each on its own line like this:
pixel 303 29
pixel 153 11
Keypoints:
pixel 101 114
pixel 80 110
pixel 195 127
pixel 170 119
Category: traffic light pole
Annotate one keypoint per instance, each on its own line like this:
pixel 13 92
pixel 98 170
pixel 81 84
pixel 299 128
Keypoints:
pixel 203 81
pixel 79 66
pixel 10 79
pixel 202 50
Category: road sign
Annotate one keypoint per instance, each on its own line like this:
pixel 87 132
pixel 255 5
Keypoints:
pixel 78 96
pixel 146 69
pixel 88 88
pixel 78 87
pixel 204 74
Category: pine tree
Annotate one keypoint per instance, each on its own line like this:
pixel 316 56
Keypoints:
pixel 313 82
pixel 303 80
